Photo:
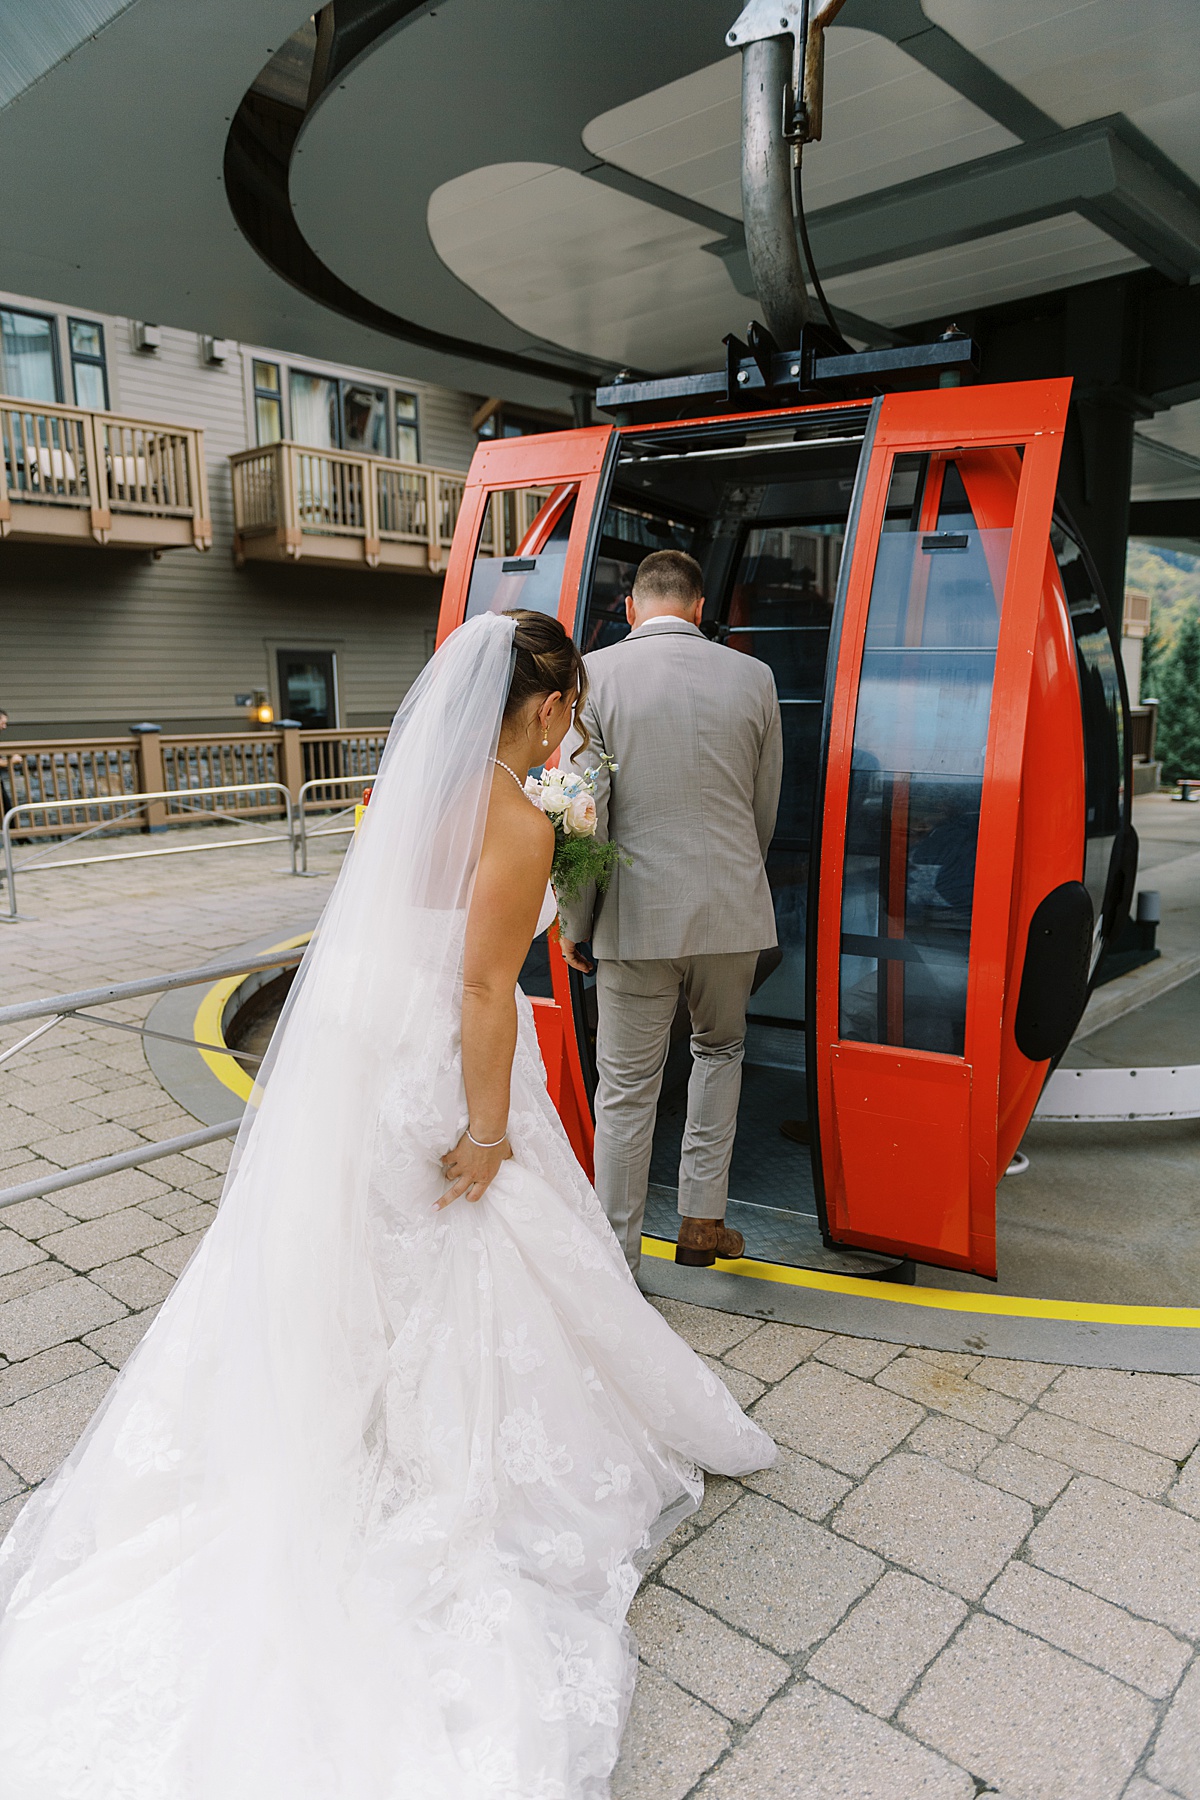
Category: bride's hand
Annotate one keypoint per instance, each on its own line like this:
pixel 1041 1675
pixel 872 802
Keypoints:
pixel 470 1169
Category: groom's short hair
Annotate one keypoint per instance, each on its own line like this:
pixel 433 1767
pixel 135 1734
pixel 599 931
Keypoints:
pixel 669 575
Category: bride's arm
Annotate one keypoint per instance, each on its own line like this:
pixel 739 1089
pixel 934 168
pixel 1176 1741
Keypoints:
pixel 510 885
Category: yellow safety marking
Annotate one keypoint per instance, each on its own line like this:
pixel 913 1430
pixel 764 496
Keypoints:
pixel 206 1026
pixel 231 1074
pixel 947 1299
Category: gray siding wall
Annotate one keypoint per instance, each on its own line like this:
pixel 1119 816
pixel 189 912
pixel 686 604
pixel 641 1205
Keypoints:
pixel 93 640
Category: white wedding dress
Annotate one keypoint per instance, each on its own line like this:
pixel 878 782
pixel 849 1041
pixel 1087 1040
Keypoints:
pixel 357 1521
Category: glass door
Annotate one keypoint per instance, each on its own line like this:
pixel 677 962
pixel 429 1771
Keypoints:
pixel 526 528
pixel 923 764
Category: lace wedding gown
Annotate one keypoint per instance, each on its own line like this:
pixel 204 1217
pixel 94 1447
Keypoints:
pixel 357 1521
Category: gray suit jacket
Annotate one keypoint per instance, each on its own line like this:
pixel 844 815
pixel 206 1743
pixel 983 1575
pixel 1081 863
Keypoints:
pixel 696 731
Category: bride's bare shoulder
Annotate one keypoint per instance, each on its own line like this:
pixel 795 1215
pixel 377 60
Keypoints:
pixel 516 828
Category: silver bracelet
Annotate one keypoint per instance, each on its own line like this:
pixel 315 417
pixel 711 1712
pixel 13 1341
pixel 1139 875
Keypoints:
pixel 480 1146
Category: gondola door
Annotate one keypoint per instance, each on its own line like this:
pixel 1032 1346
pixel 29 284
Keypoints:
pixel 529 513
pixel 926 708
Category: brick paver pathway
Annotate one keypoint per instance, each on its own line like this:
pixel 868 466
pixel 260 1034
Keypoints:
pixel 964 1576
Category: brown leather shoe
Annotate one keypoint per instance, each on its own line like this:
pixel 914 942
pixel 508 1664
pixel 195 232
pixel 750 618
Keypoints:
pixel 701 1241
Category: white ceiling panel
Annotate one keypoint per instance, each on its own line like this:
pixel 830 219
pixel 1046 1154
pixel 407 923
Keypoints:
pixel 1084 59
pixel 1055 253
pixel 886 120
pixel 585 267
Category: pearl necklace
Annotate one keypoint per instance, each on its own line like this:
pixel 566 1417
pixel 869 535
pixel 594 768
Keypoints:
pixel 512 772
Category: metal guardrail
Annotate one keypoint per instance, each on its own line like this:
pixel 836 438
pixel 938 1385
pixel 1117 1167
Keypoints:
pixel 128 806
pixel 53 1010
pixel 357 782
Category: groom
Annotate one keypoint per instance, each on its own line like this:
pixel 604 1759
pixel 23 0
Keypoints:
pixel 695 732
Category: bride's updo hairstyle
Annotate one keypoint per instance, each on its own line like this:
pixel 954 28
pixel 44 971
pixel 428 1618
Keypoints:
pixel 547 662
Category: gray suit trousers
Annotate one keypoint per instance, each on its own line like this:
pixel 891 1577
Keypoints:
pixel 637 1004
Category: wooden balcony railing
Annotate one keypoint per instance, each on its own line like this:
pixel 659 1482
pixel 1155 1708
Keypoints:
pixel 91 476
pixel 68 770
pixel 292 503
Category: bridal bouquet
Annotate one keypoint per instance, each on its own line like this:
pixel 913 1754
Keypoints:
pixel 569 802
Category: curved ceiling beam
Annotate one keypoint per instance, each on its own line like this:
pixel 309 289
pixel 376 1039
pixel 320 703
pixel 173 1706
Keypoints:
pixel 257 166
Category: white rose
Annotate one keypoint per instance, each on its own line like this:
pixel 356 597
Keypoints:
pixel 580 817
pixel 533 790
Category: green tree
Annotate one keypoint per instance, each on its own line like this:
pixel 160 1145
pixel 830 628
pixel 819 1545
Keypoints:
pixel 1179 702
pixel 1154 655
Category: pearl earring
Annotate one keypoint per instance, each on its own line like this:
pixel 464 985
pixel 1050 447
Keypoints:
pixel 545 740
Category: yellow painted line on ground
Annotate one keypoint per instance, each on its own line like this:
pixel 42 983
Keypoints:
pixel 947 1299
pixel 206 1026
pixel 231 1074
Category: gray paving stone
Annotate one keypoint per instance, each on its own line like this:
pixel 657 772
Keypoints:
pixel 773 1351
pixel 34 1218
pixel 170 1203
pixel 1176 1759
pixel 106 1240
pixel 1138 1555
pixel 945 1390
pixel 1104 1635
pixel 1036 1478
pixel 43 1370
pixel 1094 1453
pixel 27 1281
pixel 1186 1492
pixel 720 1492
pixel 117 1342
pixel 708 1332
pixel 881 1647
pixel 66 1148
pixel 936 1521
pixel 962 1446
pixel 669 1742
pixel 50 1315
pixel 1141 1789
pixel 17 1252
pixel 37 1432
pixel 138 1283
pixel 128 1187
pixel 174 1255
pixel 797 1481
pixel 1019 1380
pixel 835 1417
pixel 8 1513
pixel 718 1665
pixel 768 1572
pixel 813 1745
pixel 961 1362
pixel 10 1482
pixel 857 1356
pixel 746 1389
pixel 1155 1411
pixel 1029 1719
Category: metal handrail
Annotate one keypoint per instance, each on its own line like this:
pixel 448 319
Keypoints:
pixel 53 1009
pixel 324 781
pixel 181 796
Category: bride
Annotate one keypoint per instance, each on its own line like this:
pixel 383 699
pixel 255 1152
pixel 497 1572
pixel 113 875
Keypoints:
pixel 357 1521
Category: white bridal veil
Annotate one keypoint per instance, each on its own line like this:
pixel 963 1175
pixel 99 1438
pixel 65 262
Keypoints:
pixel 250 1421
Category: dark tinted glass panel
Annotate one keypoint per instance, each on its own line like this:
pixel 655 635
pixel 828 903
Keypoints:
pixel 920 736
pixel 364 418
pixel 306 688
pixel 1103 719
pixel 501 583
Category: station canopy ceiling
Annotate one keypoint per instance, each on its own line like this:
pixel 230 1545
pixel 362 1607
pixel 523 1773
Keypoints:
pixel 556 185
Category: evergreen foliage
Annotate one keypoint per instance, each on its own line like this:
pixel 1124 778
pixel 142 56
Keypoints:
pixel 1178 681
